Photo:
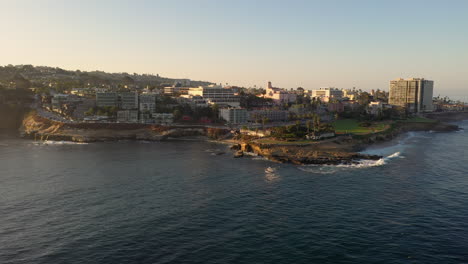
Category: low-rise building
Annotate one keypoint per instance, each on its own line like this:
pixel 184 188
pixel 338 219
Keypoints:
pixel 234 115
pixel 215 94
pixel 127 116
pixel 147 102
pixel 272 115
pixel 107 99
pixel 337 107
pixel 193 101
pixel 375 108
pixel 163 118
pixel 350 94
pixel 325 94
pixel 176 90
pixel 128 100
pixel 125 100
pixel 279 96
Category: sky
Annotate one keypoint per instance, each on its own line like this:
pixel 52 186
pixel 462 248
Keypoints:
pixel 292 43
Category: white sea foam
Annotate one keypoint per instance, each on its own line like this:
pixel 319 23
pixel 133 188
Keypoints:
pixel 271 174
pixel 361 164
pixel 53 142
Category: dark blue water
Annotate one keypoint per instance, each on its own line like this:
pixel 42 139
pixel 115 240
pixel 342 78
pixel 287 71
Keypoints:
pixel 176 202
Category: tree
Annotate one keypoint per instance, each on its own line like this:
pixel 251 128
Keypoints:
pixel 264 121
pixel 215 111
pixel 298 125
pixel 308 125
pixel 316 123
pixel 177 114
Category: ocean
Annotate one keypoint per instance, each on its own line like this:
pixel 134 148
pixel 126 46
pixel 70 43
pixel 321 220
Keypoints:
pixel 180 202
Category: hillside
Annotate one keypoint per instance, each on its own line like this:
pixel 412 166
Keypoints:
pixel 44 77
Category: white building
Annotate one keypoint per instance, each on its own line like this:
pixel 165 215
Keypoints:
pixel 325 94
pixel 176 90
pixel 375 108
pixel 193 101
pixel 279 96
pixel 215 94
pixel 234 115
pixel 350 94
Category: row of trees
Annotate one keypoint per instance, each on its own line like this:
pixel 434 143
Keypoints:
pixel 196 113
pixel 110 111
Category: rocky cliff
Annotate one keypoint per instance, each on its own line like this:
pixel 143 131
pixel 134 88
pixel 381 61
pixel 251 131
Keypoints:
pixel 36 127
pixel 11 116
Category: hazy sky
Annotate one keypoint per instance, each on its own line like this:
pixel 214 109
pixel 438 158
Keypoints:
pixel 245 42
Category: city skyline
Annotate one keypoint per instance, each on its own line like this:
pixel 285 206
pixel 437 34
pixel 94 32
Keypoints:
pixel 301 43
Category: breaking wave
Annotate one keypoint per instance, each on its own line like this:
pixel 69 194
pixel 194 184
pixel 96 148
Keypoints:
pixel 361 164
pixel 53 142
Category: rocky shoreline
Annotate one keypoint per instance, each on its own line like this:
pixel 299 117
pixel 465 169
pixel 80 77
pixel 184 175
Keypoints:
pixel 339 150
pixel 39 128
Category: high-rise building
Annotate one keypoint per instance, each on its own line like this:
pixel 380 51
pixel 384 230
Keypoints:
pixel 414 94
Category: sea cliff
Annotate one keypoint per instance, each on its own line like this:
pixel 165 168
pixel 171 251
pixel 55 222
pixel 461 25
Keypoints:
pixel 40 128
pixel 11 116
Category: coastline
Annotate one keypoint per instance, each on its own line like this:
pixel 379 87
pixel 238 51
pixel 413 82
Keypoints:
pixel 339 150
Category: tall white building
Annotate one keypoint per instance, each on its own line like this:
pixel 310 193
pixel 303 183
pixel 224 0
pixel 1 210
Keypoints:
pixel 414 94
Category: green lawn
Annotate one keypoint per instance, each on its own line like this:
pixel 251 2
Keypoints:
pixel 352 126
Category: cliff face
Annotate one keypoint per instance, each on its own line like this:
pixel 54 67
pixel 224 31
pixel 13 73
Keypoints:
pixel 11 116
pixel 40 128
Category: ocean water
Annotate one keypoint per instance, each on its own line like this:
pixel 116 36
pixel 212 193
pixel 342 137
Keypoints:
pixel 179 202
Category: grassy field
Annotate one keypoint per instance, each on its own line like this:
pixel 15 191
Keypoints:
pixel 351 126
